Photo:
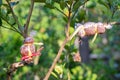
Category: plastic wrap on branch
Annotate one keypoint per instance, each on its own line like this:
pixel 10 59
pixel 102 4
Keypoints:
pixel 28 50
pixel 90 28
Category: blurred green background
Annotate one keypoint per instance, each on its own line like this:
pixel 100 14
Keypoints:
pixel 47 26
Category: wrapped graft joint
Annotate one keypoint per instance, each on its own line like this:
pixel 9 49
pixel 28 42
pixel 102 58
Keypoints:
pixel 90 28
pixel 28 50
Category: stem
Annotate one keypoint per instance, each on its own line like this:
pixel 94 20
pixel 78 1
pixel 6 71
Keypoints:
pixel 68 24
pixel 13 68
pixel 14 16
pixel 63 44
pixel 56 59
pixel 115 23
pixel 69 19
pixel 28 19
pixel 60 11
pixel 14 29
pixel 11 29
pixel 76 12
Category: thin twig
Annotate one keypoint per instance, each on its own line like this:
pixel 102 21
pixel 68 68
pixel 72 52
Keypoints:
pixel 76 12
pixel 28 19
pixel 60 11
pixel 63 45
pixel 11 29
pixel 56 59
pixel 11 26
pixel 14 16
pixel 115 23
pixel 69 19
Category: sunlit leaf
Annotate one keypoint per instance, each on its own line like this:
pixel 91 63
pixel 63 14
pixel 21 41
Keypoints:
pixel 54 75
pixel 90 4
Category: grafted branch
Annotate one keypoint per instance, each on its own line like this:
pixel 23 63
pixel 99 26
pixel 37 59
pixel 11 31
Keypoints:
pixel 24 33
pixel 13 68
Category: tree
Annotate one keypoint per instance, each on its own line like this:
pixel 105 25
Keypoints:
pixel 73 11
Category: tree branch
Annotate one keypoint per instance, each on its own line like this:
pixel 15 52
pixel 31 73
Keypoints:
pixel 63 44
pixel 69 19
pixel 76 12
pixel 14 16
pixel 56 59
pixel 13 68
pixel 11 29
pixel 28 19
pixel 115 23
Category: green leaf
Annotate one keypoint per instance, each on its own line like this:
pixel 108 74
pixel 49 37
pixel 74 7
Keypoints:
pixel 54 75
pixel 90 4
pixel 62 5
pixel 76 5
pixel 103 3
pixel 11 20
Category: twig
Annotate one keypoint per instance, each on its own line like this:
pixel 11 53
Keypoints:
pixel 13 68
pixel 69 19
pixel 14 16
pixel 60 11
pixel 75 13
pixel 58 55
pixel 115 23
pixel 63 44
pixel 56 59
pixel 11 29
pixel 61 49
pixel 28 19
pixel 14 29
